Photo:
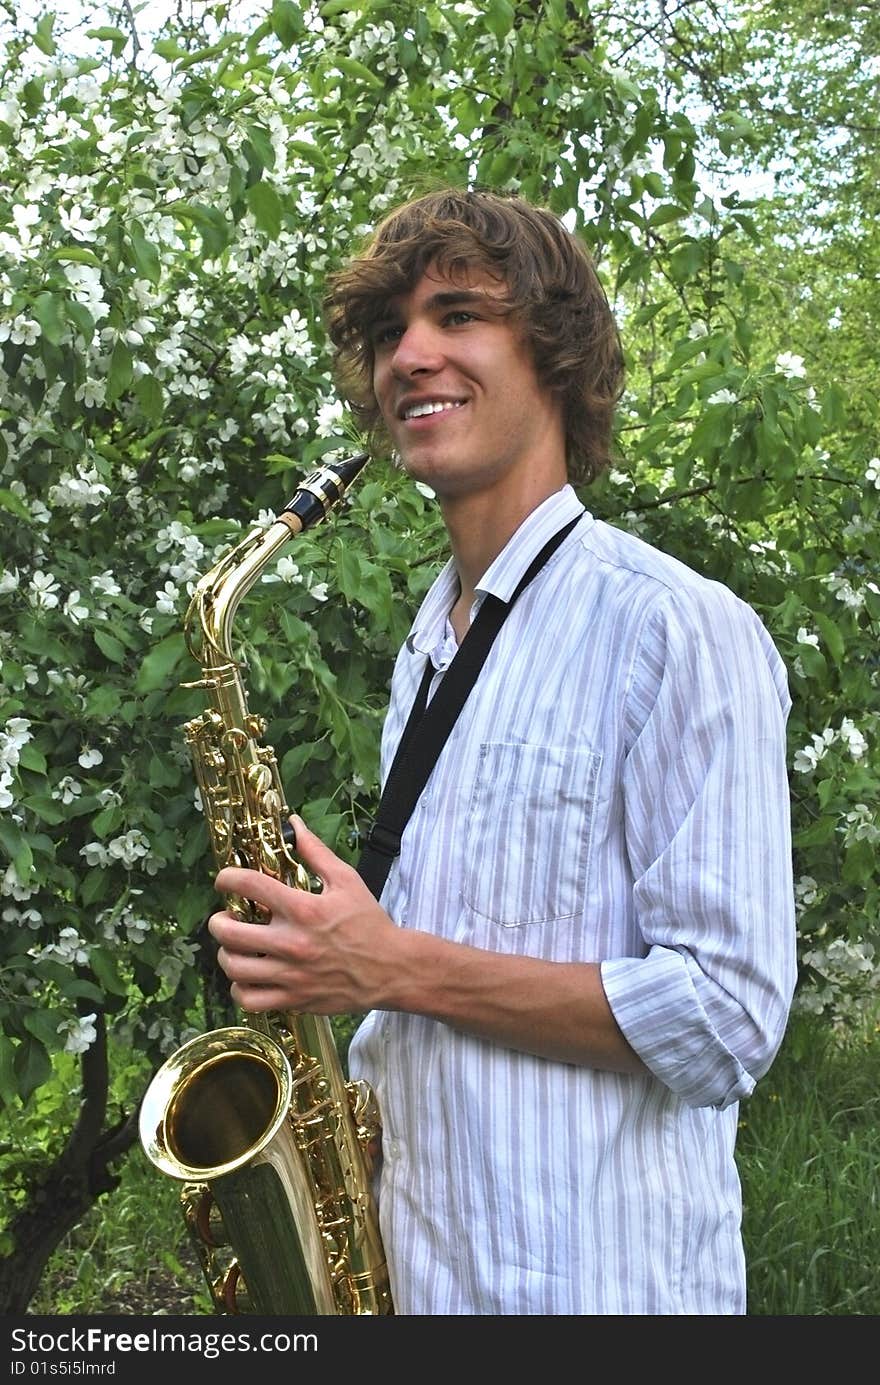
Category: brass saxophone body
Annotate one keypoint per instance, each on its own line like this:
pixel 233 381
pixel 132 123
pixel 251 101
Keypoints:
pixel 256 1120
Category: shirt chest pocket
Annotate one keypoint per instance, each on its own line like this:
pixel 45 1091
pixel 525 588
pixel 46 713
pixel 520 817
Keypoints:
pixel 529 832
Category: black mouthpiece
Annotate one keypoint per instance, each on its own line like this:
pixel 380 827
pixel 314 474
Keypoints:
pixel 324 488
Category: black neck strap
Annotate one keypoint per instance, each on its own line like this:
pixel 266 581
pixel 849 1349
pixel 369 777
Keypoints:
pixel 427 727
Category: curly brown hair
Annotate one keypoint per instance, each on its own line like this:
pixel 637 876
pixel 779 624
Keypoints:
pixel 550 284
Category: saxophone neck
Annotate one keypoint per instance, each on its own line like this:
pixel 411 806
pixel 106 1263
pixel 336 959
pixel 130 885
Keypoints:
pixel 208 621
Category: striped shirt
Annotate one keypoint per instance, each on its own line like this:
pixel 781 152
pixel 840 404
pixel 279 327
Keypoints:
pixel 614 791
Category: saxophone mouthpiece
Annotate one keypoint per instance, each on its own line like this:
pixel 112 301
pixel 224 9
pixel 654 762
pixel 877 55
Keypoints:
pixel 321 490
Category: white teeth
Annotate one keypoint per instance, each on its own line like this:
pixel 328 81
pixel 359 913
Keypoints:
pixel 429 407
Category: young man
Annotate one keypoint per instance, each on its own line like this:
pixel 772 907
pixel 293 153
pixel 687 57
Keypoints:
pixel 584 954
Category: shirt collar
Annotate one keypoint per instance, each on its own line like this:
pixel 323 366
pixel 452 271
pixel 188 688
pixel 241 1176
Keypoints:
pixel 503 574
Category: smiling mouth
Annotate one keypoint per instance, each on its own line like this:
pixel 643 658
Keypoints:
pixel 431 406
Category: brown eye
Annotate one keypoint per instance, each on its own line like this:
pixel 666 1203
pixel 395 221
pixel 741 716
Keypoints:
pixel 384 336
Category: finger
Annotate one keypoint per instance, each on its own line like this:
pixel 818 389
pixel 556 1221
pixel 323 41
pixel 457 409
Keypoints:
pixel 243 939
pixel 273 894
pixel 256 999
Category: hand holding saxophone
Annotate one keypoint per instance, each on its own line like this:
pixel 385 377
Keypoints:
pixel 327 952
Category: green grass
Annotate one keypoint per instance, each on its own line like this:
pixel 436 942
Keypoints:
pixel 808 1153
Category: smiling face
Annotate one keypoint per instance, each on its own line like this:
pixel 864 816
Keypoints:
pixel 459 394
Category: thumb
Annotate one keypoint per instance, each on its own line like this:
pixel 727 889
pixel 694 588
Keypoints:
pixel 314 854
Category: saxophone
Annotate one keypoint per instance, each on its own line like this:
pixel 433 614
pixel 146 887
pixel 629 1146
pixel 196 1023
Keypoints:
pixel 256 1120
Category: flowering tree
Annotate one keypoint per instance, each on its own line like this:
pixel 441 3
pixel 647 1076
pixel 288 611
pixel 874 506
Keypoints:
pixel 171 206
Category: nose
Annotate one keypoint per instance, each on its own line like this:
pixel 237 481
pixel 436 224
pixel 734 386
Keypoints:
pixel 416 351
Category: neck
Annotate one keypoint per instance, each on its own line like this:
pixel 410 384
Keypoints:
pixel 479 527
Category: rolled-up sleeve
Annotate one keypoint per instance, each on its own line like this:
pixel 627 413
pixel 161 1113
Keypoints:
pixel 707 820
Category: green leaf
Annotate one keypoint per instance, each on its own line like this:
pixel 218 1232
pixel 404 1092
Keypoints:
pixel 499 16
pixel 117 37
pixel 10 501
pixel 163 773
pixel 159 664
pixel 169 49
pixel 195 847
pixel 831 635
pixel 711 431
pixel 102 702
pixel 121 371
pixel 81 319
pixel 8 1084
pixel 49 312
pixel 813 661
pixel 31 757
pixel 94 887
pixel 109 646
pixel 331 8
pixel 358 72
pixel 107 821
pixel 265 204
pixel 194 904
pixel 150 396
pixel 261 143
pixel 349 572
pixel 144 254
pixel 106 970
pixel 685 261
pixel 43 1025
pixel 31 1066
pixel 287 22
pixel 22 857
pixel 210 223
pixel 43 35
pixel 309 153
pixel 45 808
pixel 662 215
pixel 78 253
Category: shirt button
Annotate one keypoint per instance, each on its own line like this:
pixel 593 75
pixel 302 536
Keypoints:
pixel 393 1148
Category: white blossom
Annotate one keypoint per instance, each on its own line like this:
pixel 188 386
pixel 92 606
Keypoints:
pixel 86 286
pixel 21 331
pixel 129 848
pixel 76 224
pixel 81 1033
pixel 74 609
pixel 806 759
pixel 855 741
pixel 328 418
pixel 167 599
pixel 722 397
pixel 861 826
pixel 13 885
pixel 69 948
pixel 792 367
pixel 105 583
pixel 95 854
pixel 67 789
pixel 78 491
pixel 872 473
pixel 806 891
pixel 89 756
pixel 43 591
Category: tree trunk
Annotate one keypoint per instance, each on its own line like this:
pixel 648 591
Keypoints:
pixel 70 1188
